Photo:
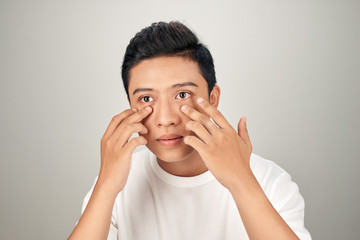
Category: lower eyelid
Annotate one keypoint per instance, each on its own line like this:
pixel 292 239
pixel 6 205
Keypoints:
pixel 189 95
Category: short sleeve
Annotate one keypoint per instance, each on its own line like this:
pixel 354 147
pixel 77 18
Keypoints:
pixel 287 200
pixel 283 194
pixel 113 231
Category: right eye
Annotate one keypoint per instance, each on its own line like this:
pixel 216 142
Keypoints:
pixel 146 99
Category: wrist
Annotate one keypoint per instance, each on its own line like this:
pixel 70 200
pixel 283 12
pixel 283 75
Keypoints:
pixel 244 183
pixel 107 187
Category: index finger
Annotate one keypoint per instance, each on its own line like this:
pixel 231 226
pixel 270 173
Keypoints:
pixel 214 113
pixel 116 121
pixel 139 115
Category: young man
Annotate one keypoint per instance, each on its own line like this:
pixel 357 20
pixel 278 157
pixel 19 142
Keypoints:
pixel 198 178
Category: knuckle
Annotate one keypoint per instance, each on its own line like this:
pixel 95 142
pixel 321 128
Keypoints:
pixel 126 120
pixel 197 124
pixel 139 127
pixel 140 112
pixel 133 141
pixel 144 129
pixel 209 110
pixel 209 124
pixel 103 142
pixel 143 112
pixel 114 118
pixel 121 116
pixel 203 118
pixel 216 114
pixel 189 124
pixel 134 127
pixel 128 127
pixel 194 124
pixel 118 116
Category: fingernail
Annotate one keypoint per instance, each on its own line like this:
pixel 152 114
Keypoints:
pixel 134 109
pixel 183 108
pixel 200 100
pixel 148 108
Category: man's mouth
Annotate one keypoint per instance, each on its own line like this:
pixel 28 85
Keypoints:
pixel 170 139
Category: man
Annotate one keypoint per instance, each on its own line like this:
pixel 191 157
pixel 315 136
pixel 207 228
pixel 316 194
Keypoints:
pixel 198 178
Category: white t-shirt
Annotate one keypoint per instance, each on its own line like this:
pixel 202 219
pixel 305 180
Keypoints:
pixel 157 205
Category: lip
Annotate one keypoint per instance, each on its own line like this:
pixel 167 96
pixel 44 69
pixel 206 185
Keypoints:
pixel 170 139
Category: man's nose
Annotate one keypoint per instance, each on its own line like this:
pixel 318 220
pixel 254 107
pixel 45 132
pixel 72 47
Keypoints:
pixel 166 114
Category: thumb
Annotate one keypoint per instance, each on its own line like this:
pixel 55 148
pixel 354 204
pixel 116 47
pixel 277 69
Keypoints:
pixel 239 125
pixel 242 130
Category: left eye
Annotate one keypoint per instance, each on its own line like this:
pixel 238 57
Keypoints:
pixel 183 95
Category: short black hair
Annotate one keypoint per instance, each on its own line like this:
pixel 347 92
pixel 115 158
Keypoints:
pixel 167 39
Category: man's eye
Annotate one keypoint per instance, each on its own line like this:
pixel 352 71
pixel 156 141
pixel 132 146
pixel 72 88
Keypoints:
pixel 146 99
pixel 183 95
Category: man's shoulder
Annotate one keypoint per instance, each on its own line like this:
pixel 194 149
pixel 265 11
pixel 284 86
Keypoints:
pixel 257 161
pixel 264 169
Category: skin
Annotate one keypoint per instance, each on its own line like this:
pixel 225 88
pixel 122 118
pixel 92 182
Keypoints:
pixel 168 95
pixel 176 85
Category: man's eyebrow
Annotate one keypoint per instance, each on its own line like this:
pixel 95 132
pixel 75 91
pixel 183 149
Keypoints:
pixel 184 84
pixel 173 86
pixel 142 90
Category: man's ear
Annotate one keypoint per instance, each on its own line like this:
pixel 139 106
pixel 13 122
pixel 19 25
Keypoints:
pixel 215 96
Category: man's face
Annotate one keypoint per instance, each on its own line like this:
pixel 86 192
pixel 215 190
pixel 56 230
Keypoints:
pixel 165 84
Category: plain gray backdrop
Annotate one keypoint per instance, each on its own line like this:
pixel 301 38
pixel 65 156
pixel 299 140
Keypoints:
pixel 292 67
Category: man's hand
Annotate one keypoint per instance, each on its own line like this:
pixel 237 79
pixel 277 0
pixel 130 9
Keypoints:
pixel 116 152
pixel 227 155
pixel 116 148
pixel 225 152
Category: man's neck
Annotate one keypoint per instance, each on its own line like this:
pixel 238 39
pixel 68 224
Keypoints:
pixel 189 167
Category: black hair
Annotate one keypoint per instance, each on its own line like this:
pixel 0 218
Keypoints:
pixel 167 39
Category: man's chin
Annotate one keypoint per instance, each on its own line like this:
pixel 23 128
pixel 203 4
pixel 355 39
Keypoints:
pixel 173 155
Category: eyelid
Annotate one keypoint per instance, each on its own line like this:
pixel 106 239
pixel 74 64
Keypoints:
pixel 142 97
pixel 187 92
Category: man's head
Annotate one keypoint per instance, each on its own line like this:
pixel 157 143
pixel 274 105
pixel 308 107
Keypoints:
pixel 167 39
pixel 165 67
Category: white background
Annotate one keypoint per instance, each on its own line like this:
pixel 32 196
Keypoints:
pixel 291 67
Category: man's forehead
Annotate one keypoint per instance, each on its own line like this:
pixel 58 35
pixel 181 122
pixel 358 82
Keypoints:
pixel 156 67
pixel 164 73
